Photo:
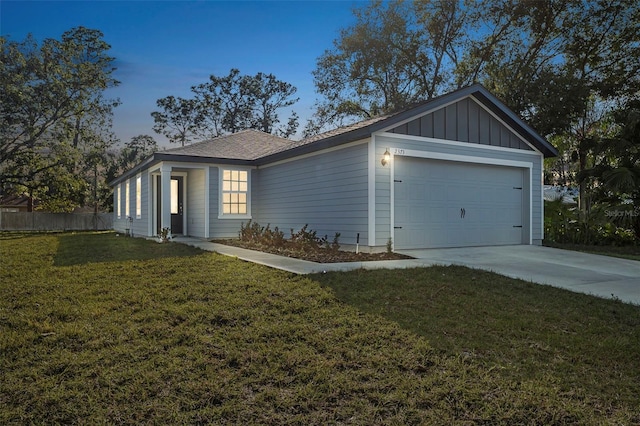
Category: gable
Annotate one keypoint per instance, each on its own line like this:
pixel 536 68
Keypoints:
pixel 463 121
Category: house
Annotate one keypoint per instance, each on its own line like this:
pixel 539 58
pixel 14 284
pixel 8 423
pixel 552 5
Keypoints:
pixel 16 203
pixel 458 170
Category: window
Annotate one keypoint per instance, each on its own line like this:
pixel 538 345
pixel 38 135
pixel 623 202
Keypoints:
pixel 127 206
pixel 138 197
pixel 118 201
pixel 174 196
pixel 235 191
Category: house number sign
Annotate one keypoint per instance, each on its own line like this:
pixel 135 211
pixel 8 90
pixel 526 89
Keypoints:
pixel 398 151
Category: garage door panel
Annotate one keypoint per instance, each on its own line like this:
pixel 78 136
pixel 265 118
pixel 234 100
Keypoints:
pixel 450 204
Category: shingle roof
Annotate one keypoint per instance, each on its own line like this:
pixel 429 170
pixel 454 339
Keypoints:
pixel 342 130
pixel 258 148
pixel 247 144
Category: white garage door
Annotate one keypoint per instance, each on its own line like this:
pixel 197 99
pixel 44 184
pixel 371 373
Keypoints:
pixel 452 204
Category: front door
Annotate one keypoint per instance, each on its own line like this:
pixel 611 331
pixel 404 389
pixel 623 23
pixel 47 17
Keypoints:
pixel 177 204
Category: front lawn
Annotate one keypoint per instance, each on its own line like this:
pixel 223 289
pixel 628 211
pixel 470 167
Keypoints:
pixel 98 329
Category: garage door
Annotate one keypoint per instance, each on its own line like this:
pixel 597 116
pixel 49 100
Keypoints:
pixel 451 204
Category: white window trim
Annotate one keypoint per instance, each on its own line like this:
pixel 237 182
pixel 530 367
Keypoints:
pixel 139 196
pixel 127 200
pixel 221 215
pixel 118 206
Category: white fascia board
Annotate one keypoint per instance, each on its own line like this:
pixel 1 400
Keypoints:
pixel 459 144
pixel 457 157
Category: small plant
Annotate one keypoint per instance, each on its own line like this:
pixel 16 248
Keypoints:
pixel 335 245
pixel 306 239
pixel 252 232
pixel 389 246
pixel 165 235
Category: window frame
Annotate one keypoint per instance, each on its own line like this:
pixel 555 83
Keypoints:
pixel 118 206
pixel 127 198
pixel 222 192
pixel 139 196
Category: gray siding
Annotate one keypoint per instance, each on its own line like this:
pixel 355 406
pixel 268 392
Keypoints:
pixel 195 202
pixel 140 226
pixel 223 228
pixel 383 190
pixel 327 191
pixel 122 223
pixel 463 121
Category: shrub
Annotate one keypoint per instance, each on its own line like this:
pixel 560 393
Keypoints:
pixel 306 239
pixel 563 224
pixel 252 232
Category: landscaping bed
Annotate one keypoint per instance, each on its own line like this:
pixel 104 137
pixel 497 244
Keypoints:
pixel 319 255
pixel 303 244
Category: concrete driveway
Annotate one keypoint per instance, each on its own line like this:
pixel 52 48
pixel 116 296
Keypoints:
pixel 581 272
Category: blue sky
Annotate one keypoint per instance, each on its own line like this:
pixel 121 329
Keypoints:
pixel 164 47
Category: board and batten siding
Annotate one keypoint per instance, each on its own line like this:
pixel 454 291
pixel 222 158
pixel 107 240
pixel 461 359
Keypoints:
pixel 326 191
pixel 464 121
pixel 416 143
pixel 195 203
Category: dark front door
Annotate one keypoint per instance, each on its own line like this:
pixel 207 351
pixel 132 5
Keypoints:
pixel 177 205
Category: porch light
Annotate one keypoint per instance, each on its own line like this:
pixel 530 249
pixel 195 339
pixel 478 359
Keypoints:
pixel 386 157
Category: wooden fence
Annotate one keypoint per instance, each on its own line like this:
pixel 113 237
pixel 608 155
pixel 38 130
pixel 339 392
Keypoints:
pixel 36 221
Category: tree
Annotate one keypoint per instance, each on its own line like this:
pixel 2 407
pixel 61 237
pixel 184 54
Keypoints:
pixel 616 169
pixel 235 102
pixel 396 54
pixel 136 150
pixel 561 65
pixel 227 104
pixel 269 95
pixel 53 112
pixel 179 121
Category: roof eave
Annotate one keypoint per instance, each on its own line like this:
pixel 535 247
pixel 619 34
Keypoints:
pixel 159 157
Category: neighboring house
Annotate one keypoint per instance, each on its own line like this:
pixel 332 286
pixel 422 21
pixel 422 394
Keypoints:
pixel 16 203
pixel 459 170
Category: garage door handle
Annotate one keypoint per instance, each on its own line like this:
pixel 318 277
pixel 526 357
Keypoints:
pixel 397 227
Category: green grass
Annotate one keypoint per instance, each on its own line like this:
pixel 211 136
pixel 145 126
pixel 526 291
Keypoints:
pixel 624 252
pixel 99 329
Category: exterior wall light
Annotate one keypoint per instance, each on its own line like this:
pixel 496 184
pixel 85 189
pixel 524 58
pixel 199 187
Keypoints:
pixel 386 157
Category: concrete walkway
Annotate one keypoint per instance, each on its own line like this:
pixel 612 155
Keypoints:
pixel 602 276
